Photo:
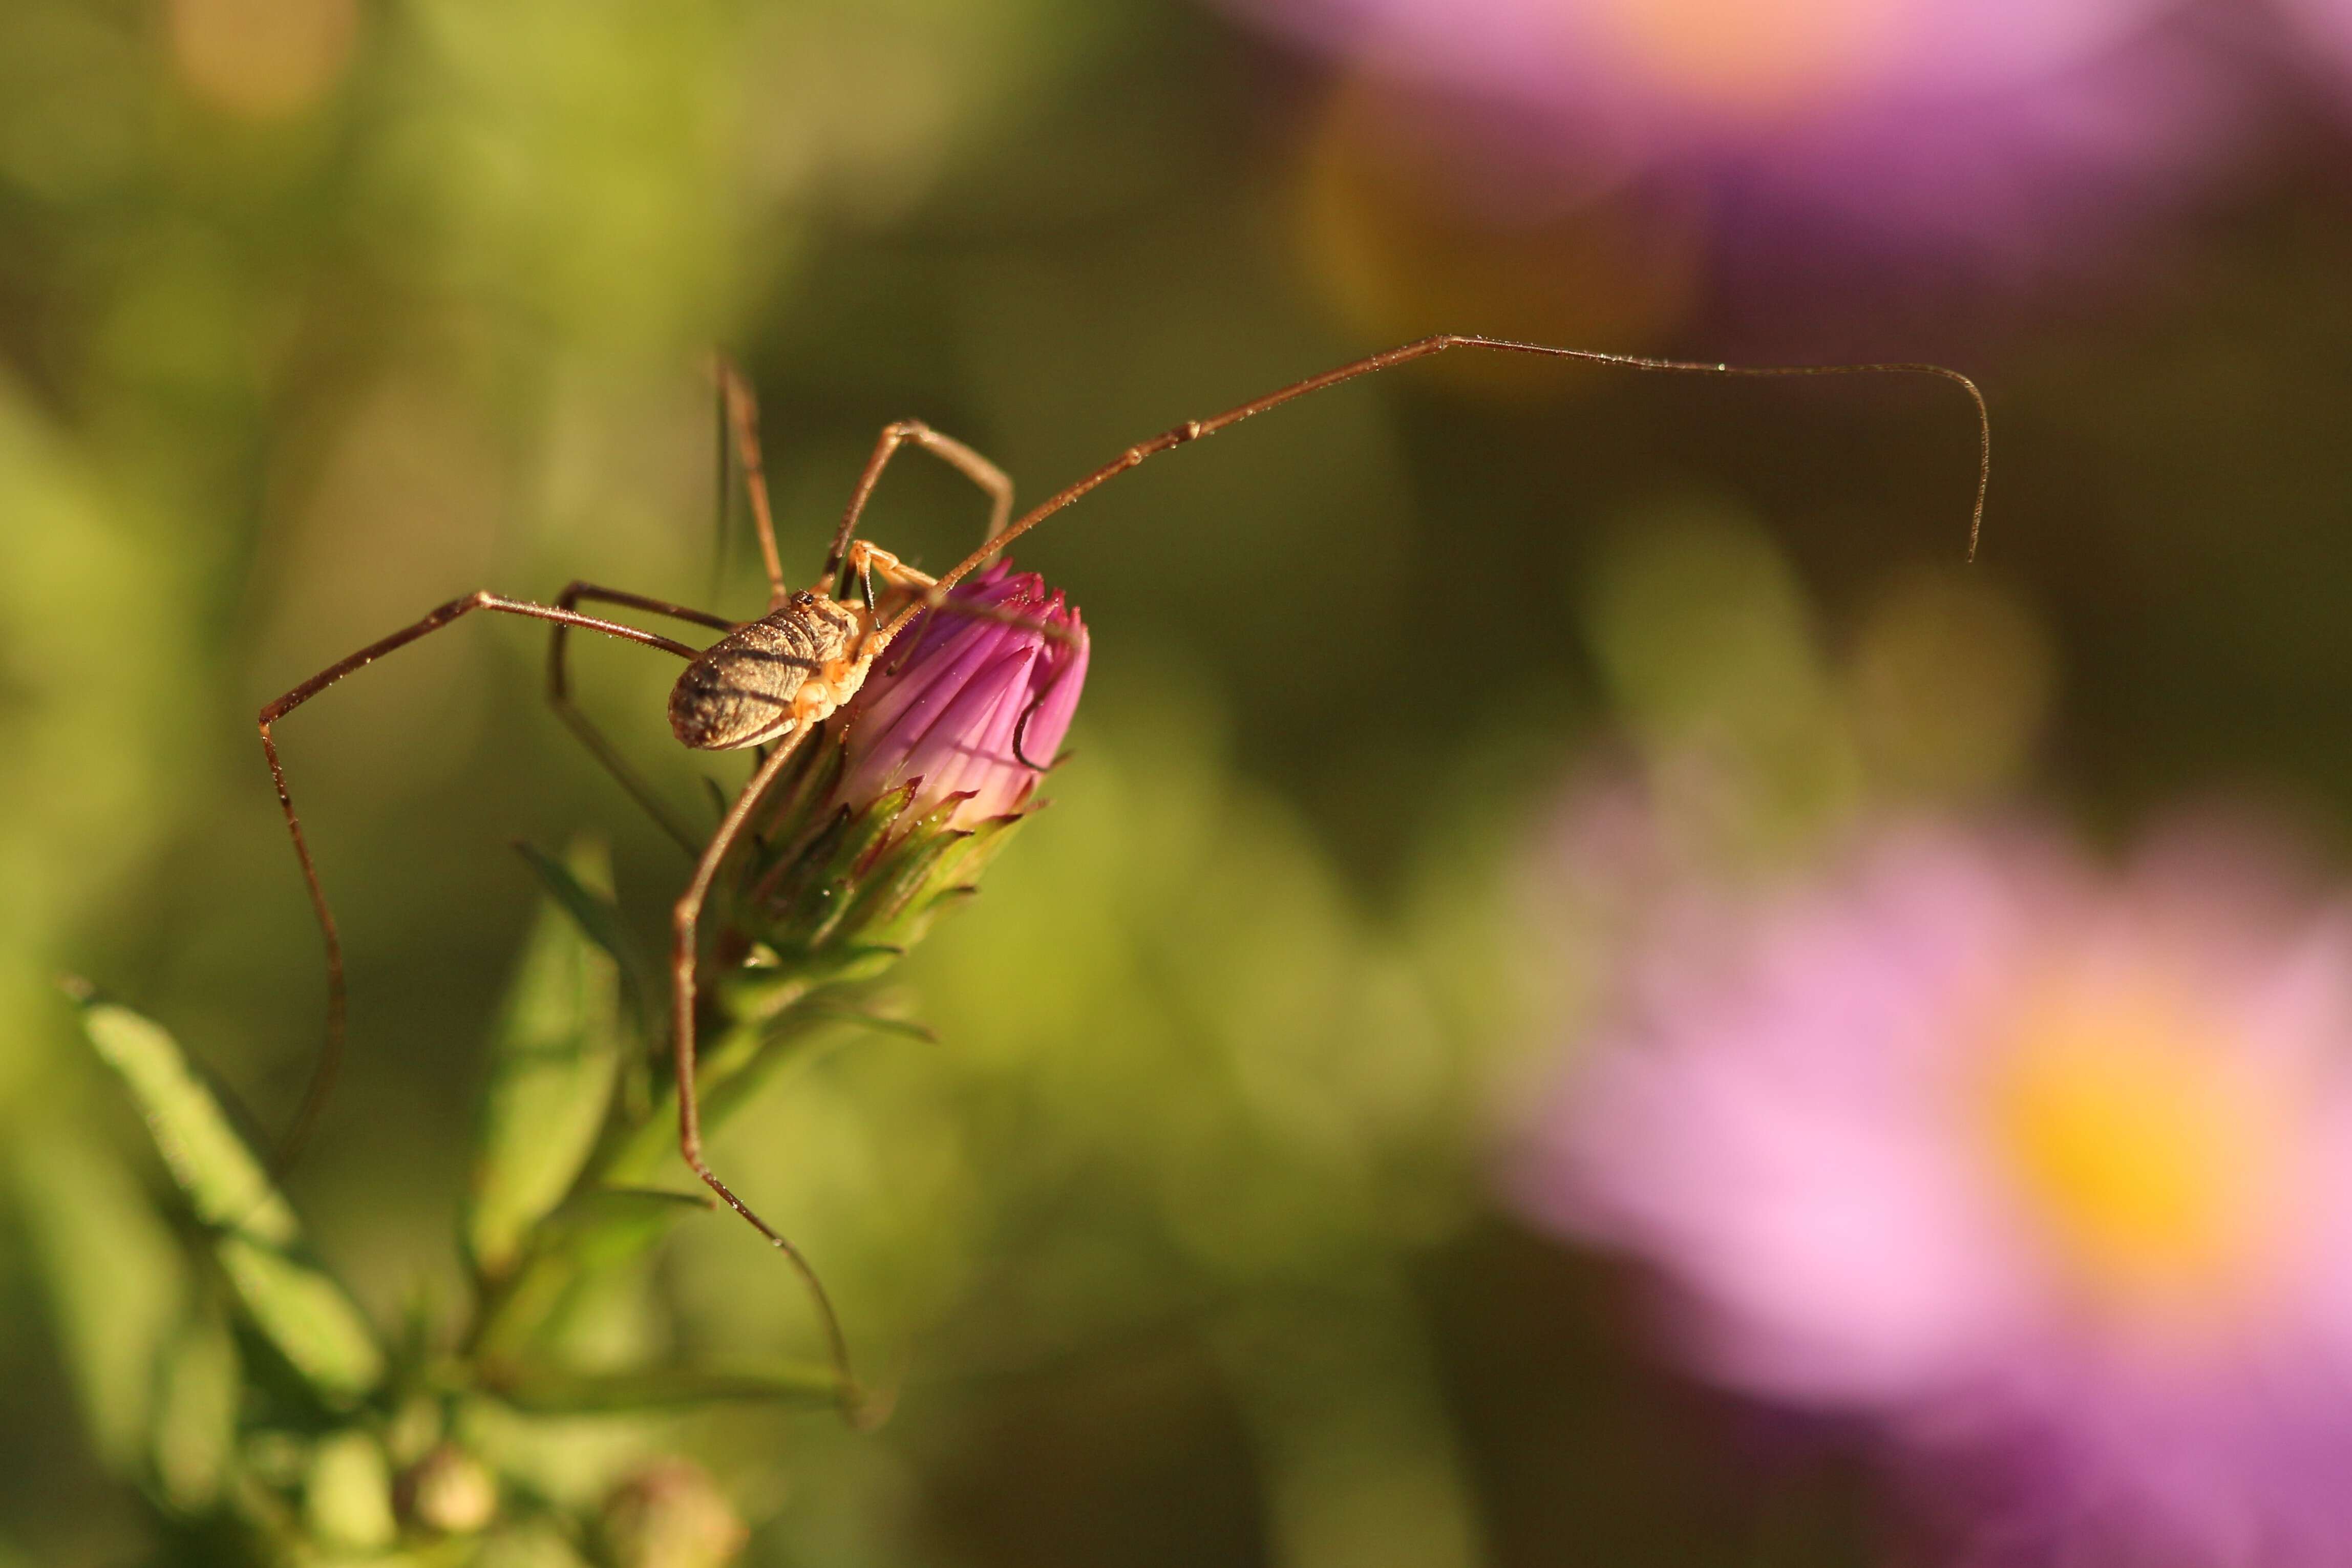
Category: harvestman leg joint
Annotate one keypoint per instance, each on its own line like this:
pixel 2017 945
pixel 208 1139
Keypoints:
pixel 772 680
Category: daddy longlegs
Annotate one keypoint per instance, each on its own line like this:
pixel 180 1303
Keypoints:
pixel 769 682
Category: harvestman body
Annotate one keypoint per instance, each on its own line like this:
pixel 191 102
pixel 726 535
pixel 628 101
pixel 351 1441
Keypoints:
pixel 771 681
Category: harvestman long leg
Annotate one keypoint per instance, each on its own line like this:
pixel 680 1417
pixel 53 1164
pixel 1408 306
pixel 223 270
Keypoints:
pixel 685 954
pixel 323 1074
pixel 738 416
pixel 743 417
pixel 558 695
pixel 971 464
pixel 744 412
pixel 740 419
pixel 688 912
pixel 1194 429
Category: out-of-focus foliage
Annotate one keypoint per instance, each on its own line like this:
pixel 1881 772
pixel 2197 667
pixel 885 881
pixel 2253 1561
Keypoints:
pixel 330 1444
pixel 1175 1236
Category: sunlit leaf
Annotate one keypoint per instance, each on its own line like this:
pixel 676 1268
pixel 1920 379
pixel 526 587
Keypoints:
pixel 297 1306
pixel 555 1056
pixel 224 1181
pixel 306 1316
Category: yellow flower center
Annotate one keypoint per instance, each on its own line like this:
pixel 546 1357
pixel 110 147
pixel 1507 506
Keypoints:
pixel 1738 54
pixel 2141 1146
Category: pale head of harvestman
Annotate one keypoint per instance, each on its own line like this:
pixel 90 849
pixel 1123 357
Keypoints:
pixel 771 681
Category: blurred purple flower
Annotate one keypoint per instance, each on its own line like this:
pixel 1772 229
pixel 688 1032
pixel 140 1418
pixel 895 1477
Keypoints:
pixel 2321 40
pixel 1999 138
pixel 973 702
pixel 2046 1175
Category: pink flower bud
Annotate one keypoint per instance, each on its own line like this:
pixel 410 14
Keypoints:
pixel 972 702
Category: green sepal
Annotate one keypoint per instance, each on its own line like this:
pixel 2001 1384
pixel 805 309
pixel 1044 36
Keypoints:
pixel 803 899
pixel 888 892
pixel 296 1305
pixel 556 1055
pixel 863 889
pixel 803 796
pixel 834 893
pixel 930 878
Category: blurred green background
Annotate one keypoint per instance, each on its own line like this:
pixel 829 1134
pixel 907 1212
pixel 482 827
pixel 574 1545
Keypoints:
pixel 314 313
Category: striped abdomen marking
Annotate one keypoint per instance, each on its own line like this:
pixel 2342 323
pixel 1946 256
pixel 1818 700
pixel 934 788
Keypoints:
pixel 796 663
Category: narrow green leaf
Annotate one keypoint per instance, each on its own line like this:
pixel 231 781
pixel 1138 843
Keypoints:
pixel 556 1053
pixel 585 892
pixel 584 1393
pixel 306 1316
pixel 224 1181
pixel 610 1225
pixel 115 1277
pixel 297 1306
pixel 597 1204
pixel 597 1207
